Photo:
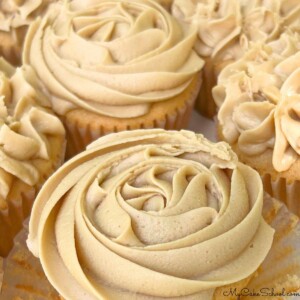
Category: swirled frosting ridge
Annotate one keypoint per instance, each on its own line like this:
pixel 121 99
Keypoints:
pixel 178 213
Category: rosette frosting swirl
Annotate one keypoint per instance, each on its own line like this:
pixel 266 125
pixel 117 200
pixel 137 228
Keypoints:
pixel 26 128
pixel 150 214
pixel 225 28
pixel 111 57
pixel 258 99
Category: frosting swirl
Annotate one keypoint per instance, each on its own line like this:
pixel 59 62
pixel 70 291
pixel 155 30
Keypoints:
pixel 15 17
pixel 122 207
pixel 225 28
pixel 17 13
pixel 258 99
pixel 218 22
pixel 26 125
pixel 113 58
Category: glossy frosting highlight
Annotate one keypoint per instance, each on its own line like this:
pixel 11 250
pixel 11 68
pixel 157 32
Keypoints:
pixel 113 58
pixel 122 207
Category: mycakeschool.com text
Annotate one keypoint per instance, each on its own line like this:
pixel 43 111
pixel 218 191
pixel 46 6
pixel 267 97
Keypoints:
pixel 263 292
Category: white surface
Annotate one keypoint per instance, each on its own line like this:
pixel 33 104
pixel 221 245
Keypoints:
pixel 203 125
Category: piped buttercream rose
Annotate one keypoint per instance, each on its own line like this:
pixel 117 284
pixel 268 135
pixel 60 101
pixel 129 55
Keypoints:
pixel 113 58
pixel 150 214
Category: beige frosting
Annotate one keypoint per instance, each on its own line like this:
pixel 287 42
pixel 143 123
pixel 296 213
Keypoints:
pixel 25 126
pixel 218 22
pixel 17 13
pixel 114 58
pixel 150 214
pixel 225 28
pixel 15 17
pixel 258 99
pixel 166 3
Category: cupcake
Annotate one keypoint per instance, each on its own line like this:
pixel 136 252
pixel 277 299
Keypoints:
pixel 111 66
pixel 258 100
pixel 32 144
pixel 226 30
pixel 122 207
pixel 24 277
pixel 15 17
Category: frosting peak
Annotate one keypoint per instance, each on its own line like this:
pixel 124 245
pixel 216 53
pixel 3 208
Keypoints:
pixel 25 126
pixel 218 22
pixel 258 100
pixel 123 206
pixel 17 13
pixel 225 28
pixel 15 17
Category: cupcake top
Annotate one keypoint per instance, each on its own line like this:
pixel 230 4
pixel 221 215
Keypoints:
pixel 218 22
pixel 27 128
pixel 113 58
pixel 158 205
pixel 15 17
pixel 17 13
pixel 225 28
pixel 258 100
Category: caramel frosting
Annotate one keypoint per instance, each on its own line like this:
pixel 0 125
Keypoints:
pixel 26 125
pixel 258 100
pixel 150 214
pixel 15 17
pixel 18 13
pixel 218 22
pixel 113 58
pixel 225 28
pixel 166 3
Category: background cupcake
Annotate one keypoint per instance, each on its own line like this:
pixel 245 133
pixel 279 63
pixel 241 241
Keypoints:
pixel 32 144
pixel 226 30
pixel 258 100
pixel 15 17
pixel 112 66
